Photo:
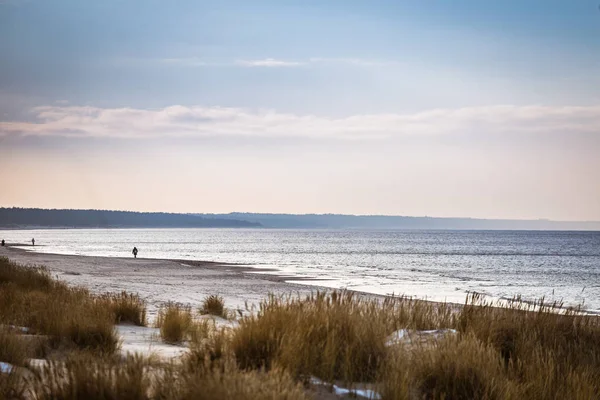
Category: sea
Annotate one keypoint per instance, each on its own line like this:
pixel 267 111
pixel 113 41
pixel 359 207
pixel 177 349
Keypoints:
pixel 435 265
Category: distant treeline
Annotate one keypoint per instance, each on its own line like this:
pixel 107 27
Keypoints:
pixel 36 217
pixel 338 221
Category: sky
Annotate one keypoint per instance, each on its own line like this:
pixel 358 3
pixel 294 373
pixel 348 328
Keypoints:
pixel 455 108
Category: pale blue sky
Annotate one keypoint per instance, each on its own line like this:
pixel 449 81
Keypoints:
pixel 313 88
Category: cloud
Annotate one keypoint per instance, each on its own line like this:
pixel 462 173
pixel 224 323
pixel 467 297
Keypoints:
pixel 268 62
pixel 257 63
pixel 271 62
pixel 197 121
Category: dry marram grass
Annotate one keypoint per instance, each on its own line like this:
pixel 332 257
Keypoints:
pixel 126 307
pixel 175 322
pixel 214 305
pixel 70 316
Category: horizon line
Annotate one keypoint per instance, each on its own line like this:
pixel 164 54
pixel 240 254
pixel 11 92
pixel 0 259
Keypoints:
pixel 308 214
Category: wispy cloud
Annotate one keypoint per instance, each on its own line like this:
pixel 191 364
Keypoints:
pixel 179 121
pixel 269 62
pixel 264 62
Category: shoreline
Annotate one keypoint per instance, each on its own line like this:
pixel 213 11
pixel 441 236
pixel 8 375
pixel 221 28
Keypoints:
pixel 263 272
pixel 241 285
pixel 159 281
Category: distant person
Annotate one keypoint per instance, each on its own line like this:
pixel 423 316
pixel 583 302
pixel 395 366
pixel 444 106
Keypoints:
pixel 135 251
pixel 2 242
pixel 33 242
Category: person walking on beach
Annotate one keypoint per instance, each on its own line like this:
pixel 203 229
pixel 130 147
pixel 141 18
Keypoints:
pixel 33 242
pixel 135 251
pixel 2 242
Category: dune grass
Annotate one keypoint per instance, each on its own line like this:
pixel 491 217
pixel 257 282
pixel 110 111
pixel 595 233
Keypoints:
pixel 455 368
pixel 213 305
pixel 518 351
pixel 135 378
pixel 83 376
pixel 549 351
pixel 126 307
pixel 13 387
pixel 70 316
pixel 227 382
pixel 26 278
pixel 175 322
pixel 13 349
pixel 334 336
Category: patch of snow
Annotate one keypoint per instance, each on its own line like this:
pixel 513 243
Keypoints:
pixel 368 393
pixel 406 336
pixel 340 391
pixel 21 329
pixel 316 381
pixel 6 368
pixel 146 341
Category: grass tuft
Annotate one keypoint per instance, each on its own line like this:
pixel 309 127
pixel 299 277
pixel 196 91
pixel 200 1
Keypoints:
pixel 455 368
pixel 175 322
pixel 13 348
pixel 213 305
pixel 126 307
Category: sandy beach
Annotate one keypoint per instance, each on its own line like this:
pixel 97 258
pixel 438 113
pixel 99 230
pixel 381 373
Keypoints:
pixel 160 281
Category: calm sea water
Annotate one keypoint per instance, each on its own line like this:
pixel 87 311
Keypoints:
pixel 437 265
